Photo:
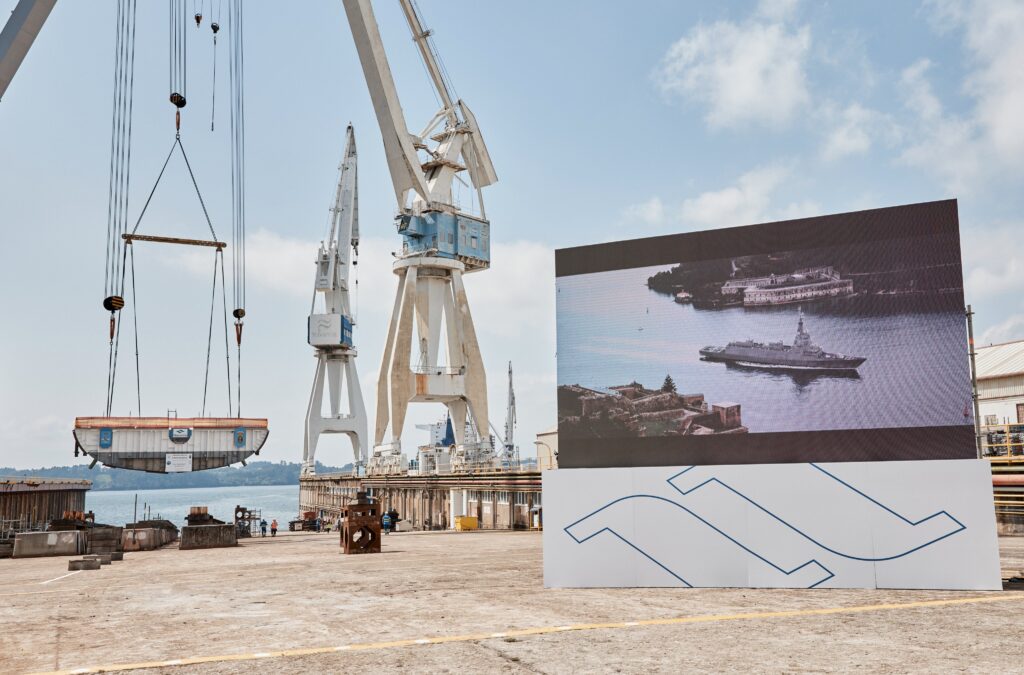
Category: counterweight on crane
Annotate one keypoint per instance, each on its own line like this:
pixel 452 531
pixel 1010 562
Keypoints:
pixel 330 332
pixel 440 242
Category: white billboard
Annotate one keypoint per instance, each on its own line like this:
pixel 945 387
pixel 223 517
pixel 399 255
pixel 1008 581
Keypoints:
pixel 894 524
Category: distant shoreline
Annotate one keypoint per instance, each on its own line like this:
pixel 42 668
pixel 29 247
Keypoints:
pixel 190 487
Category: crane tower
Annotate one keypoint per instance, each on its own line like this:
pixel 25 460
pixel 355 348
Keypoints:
pixel 330 332
pixel 440 242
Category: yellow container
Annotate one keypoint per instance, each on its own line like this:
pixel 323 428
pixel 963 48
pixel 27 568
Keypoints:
pixel 464 523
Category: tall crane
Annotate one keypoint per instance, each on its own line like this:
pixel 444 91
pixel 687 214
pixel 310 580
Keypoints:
pixel 440 242
pixel 18 34
pixel 330 332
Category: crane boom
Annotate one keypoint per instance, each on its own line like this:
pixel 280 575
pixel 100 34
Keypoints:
pixel 459 146
pixel 406 173
pixel 422 38
pixel 19 33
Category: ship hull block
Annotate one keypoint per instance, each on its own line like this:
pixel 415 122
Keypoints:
pixel 145 444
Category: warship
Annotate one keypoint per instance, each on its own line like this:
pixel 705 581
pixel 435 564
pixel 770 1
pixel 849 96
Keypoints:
pixel 802 355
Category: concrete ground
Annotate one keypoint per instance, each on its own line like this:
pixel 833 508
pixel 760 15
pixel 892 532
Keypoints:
pixel 471 602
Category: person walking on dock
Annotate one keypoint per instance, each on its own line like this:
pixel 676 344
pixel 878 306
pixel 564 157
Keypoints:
pixel 386 523
pixel 263 528
pixel 273 527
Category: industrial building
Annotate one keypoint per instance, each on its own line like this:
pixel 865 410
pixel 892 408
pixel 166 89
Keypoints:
pixel 499 500
pixel 31 503
pixel 1000 371
pixel 547 449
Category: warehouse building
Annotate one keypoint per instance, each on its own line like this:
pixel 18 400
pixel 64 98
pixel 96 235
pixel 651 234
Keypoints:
pixel 31 503
pixel 1000 372
pixel 499 500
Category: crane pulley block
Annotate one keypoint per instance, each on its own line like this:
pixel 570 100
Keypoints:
pixel 113 303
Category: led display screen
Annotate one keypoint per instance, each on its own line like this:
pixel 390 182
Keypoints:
pixel 836 338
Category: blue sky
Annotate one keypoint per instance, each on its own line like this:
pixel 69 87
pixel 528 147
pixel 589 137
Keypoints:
pixel 605 121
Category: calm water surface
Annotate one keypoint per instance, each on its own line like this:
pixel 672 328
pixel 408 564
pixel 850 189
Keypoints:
pixel 114 507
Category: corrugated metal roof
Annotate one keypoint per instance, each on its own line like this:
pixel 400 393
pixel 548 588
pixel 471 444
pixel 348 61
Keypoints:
pixel 1000 360
pixel 33 484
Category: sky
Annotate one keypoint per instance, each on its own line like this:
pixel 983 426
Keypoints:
pixel 605 121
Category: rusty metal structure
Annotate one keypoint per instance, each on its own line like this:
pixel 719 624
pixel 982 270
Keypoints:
pixel 247 521
pixel 360 525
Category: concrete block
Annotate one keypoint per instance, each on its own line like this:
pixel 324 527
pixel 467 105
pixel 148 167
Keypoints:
pixel 39 544
pixel 84 564
pixel 145 539
pixel 104 558
pixel 208 536
pixel 104 539
pixel 117 555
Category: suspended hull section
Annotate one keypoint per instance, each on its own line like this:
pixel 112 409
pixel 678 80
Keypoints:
pixel 168 445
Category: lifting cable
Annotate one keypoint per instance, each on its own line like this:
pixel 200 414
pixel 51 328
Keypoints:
pixel 236 71
pixel 119 239
pixel 218 261
pixel 177 58
pixel 215 28
pixel 120 163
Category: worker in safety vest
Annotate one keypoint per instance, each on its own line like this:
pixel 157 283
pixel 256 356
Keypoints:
pixel 385 522
pixel 273 527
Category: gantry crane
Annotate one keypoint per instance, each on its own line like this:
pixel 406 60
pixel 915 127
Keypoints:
pixel 330 331
pixel 441 241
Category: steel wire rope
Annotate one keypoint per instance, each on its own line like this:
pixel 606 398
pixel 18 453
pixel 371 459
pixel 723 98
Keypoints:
pixel 108 269
pixel 196 186
pixel 115 347
pixel 128 140
pixel 135 322
pixel 237 121
pixel 227 349
pixel 209 334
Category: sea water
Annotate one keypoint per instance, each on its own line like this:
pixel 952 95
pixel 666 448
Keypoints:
pixel 117 507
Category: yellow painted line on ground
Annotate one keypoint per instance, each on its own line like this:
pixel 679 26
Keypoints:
pixel 544 630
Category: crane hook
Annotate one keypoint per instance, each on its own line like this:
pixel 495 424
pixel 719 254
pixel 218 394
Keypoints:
pixel 239 314
pixel 199 19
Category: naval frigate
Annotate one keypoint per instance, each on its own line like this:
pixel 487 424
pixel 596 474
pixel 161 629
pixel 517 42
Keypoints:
pixel 801 355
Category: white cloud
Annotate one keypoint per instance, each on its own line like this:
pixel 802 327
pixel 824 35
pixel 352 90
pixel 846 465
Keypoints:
pixel 993 261
pixel 749 200
pixel 854 131
pixel 745 73
pixel 802 209
pixel 650 212
pixel 744 203
pixel 966 150
pixel 946 145
pixel 777 10
pixel 1010 329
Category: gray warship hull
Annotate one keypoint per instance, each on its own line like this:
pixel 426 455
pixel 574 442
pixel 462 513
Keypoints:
pixel 775 358
pixel 801 355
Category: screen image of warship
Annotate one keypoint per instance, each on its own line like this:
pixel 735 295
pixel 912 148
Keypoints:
pixel 802 355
